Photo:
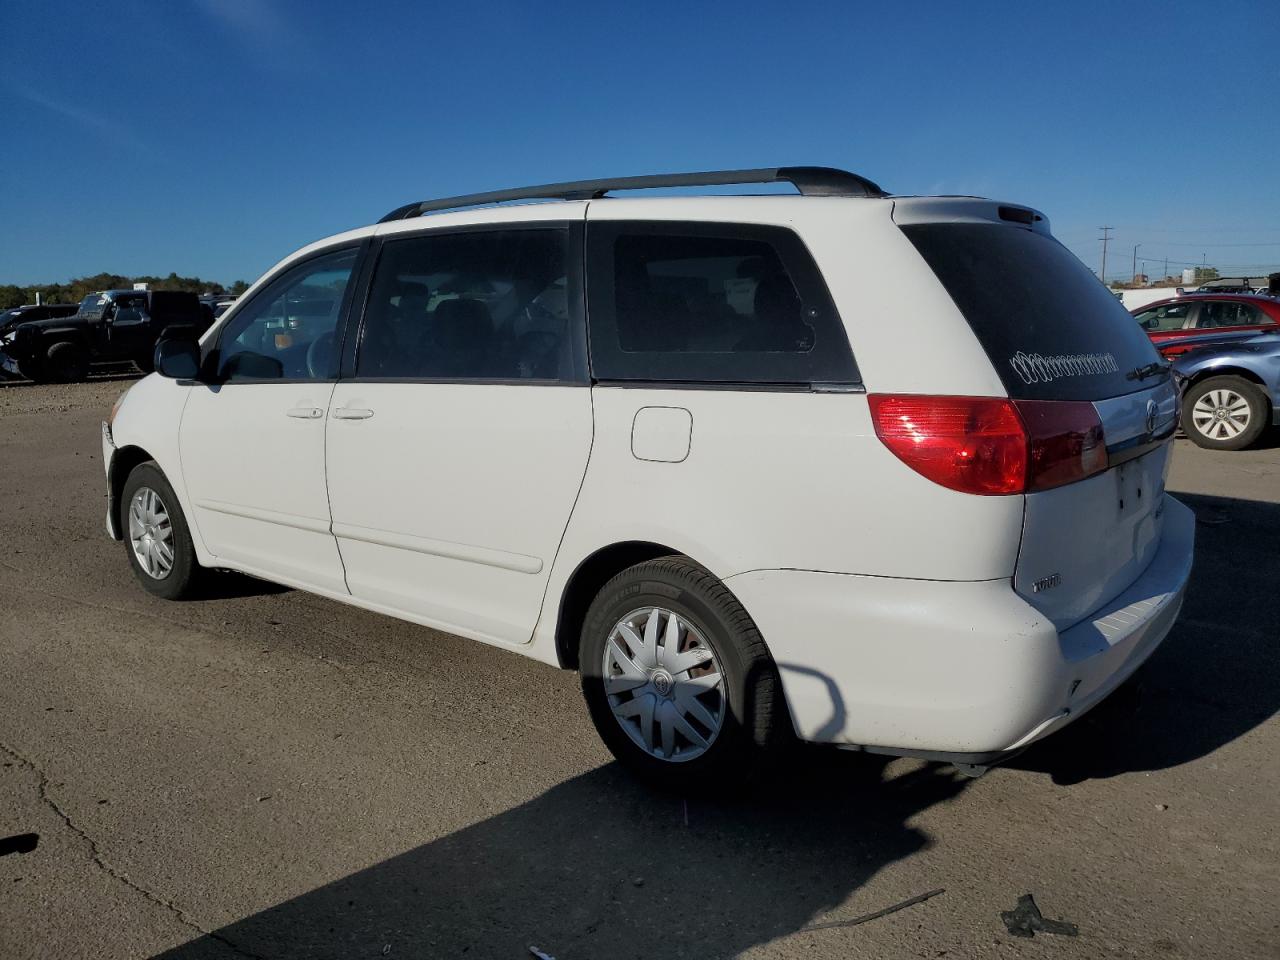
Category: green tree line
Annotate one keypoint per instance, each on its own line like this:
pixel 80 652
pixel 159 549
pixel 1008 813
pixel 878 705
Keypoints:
pixel 73 291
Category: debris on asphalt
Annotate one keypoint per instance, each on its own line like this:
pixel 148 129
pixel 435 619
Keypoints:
pixel 534 951
pixel 1162 806
pixel 1025 919
pixel 877 915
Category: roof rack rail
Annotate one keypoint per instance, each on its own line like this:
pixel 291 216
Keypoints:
pixel 810 181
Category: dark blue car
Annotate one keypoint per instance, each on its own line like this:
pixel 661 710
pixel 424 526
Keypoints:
pixel 1230 391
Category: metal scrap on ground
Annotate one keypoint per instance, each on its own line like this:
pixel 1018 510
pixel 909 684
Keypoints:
pixel 877 915
pixel 1025 919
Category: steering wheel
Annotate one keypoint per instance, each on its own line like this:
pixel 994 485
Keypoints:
pixel 320 356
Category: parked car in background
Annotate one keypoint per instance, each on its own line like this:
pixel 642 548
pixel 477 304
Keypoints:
pixel 1179 324
pixel 110 326
pixel 34 311
pixel 668 442
pixel 1230 391
pixel 216 303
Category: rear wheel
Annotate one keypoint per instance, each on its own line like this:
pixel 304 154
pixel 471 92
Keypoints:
pixel 677 678
pixel 156 537
pixel 1224 413
pixel 65 362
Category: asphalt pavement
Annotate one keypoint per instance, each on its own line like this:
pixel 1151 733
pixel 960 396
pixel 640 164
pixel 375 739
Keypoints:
pixel 270 774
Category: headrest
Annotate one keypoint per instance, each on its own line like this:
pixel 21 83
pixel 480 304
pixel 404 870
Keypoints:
pixel 415 291
pixel 776 298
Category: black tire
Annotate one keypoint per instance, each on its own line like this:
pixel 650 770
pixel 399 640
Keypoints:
pixel 65 362
pixel 185 575
pixel 755 721
pixel 1242 399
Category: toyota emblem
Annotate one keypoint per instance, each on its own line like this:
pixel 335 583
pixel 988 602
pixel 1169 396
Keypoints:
pixel 1152 410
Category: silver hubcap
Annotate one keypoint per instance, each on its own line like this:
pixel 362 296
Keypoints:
pixel 664 684
pixel 1221 414
pixel 151 533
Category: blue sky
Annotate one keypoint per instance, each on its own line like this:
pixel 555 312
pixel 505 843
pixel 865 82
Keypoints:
pixel 212 137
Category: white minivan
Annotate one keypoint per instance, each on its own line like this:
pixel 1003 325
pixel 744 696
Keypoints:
pixel 873 471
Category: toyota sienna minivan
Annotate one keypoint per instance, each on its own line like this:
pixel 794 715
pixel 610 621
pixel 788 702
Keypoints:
pixel 881 472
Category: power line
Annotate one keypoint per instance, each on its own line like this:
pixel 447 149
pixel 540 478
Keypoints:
pixel 1212 246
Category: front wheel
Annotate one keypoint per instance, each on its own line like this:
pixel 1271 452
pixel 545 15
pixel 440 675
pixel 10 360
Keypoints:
pixel 156 537
pixel 66 362
pixel 677 678
pixel 1224 413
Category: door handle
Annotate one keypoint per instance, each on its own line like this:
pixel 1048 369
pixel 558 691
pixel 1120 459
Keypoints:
pixel 305 413
pixel 351 413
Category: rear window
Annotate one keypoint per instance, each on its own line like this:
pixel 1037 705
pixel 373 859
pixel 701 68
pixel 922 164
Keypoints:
pixel 1052 331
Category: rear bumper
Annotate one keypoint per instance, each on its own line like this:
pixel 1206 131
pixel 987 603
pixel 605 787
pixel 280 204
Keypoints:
pixel 969 668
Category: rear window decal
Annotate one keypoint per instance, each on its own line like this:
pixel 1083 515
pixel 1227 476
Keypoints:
pixel 1034 368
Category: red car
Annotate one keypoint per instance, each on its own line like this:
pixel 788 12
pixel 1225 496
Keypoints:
pixel 1181 323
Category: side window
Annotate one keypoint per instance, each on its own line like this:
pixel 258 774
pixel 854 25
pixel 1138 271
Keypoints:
pixel 1222 313
pixel 475 305
pixel 703 302
pixel 130 313
pixel 1171 316
pixel 1230 314
pixel 288 330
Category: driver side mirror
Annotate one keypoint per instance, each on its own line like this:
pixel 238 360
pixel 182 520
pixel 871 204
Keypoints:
pixel 178 359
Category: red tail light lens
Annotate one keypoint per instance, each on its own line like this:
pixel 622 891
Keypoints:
pixel 1066 442
pixel 989 445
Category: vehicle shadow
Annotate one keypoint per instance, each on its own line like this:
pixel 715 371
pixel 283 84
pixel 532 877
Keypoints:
pixel 1216 676
pixel 600 866
pixel 229 585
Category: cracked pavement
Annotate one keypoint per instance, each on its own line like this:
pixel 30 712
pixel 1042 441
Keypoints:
pixel 270 774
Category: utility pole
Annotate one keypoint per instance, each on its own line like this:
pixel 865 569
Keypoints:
pixel 1135 260
pixel 1106 235
pixel 1166 267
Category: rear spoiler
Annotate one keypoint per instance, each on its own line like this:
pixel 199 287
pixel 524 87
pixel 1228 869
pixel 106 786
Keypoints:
pixel 907 210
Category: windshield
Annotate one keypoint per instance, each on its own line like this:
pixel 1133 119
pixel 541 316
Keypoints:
pixel 93 305
pixel 1051 330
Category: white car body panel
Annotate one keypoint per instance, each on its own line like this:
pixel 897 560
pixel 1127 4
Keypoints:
pixel 148 419
pixel 255 475
pixel 450 501
pixel 967 668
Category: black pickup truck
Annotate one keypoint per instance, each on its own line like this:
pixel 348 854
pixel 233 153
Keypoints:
pixel 109 327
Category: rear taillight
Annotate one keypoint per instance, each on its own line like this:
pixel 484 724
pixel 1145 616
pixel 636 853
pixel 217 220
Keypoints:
pixel 1065 442
pixel 990 445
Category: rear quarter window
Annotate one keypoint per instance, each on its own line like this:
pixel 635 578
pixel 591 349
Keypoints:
pixel 727 303
pixel 1050 329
